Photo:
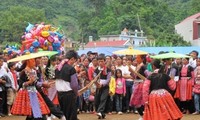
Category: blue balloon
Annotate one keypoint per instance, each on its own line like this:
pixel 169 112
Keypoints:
pixel 59 52
pixel 56 46
pixel 31 49
pixel 26 51
pixel 10 52
pixel 35 44
pixel 52 33
pixel 29 27
pixel 59 35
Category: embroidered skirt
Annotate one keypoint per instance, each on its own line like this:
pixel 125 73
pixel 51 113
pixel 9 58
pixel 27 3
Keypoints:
pixel 184 90
pixel 29 103
pixel 136 97
pixel 161 106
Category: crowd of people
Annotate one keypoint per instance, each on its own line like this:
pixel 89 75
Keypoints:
pixel 44 87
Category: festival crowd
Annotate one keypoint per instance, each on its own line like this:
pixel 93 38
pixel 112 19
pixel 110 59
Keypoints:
pixel 48 87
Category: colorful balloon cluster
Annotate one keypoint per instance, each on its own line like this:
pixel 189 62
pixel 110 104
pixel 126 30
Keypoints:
pixel 11 50
pixel 42 36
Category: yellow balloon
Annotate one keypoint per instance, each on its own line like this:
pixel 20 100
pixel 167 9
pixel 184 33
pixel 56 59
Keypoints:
pixel 44 47
pixel 49 43
pixel 5 51
pixel 46 27
pixel 53 29
pixel 45 34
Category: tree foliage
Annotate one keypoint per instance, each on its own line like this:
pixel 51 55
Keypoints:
pixel 83 18
pixel 12 21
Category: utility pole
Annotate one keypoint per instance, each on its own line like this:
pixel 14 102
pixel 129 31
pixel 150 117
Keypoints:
pixel 82 39
pixel 139 22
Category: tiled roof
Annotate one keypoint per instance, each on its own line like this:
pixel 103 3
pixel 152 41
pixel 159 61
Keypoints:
pixel 191 17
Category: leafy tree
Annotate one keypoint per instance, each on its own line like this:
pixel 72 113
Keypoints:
pixel 14 21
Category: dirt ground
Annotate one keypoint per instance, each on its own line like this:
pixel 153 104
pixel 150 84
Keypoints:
pixel 108 117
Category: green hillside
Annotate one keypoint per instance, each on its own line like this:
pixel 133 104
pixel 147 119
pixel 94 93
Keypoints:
pixel 83 18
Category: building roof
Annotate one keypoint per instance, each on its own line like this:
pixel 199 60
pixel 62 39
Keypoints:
pixel 195 16
pixel 125 30
pixel 116 43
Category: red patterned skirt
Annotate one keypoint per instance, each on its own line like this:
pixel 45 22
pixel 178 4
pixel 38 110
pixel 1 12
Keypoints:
pixel 22 105
pixel 161 107
pixel 184 90
pixel 136 97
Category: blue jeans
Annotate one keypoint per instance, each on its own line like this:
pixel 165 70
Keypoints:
pixel 129 87
pixel 196 102
pixel 118 102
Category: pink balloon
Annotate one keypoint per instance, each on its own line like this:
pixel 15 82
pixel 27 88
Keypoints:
pixel 50 39
pixel 45 43
pixel 56 40
pixel 28 36
pixel 41 41
pixel 40 26
pixel 28 46
pixel 37 30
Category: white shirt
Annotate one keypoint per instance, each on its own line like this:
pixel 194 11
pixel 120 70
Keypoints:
pixel 62 86
pixel 122 68
pixel 12 80
pixel 5 65
pixel 193 63
pixel 127 72
pixel 126 68
pixel 3 72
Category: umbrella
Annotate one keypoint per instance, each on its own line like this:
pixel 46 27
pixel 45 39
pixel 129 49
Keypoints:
pixel 130 51
pixel 33 55
pixel 169 55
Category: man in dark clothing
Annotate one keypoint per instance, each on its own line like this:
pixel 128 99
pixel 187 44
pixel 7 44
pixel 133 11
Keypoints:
pixel 102 86
pixel 67 85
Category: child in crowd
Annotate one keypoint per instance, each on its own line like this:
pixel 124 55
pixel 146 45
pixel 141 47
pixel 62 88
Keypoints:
pixel 91 99
pixel 11 92
pixel 86 96
pixel 196 88
pixel 120 90
pixel 112 87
